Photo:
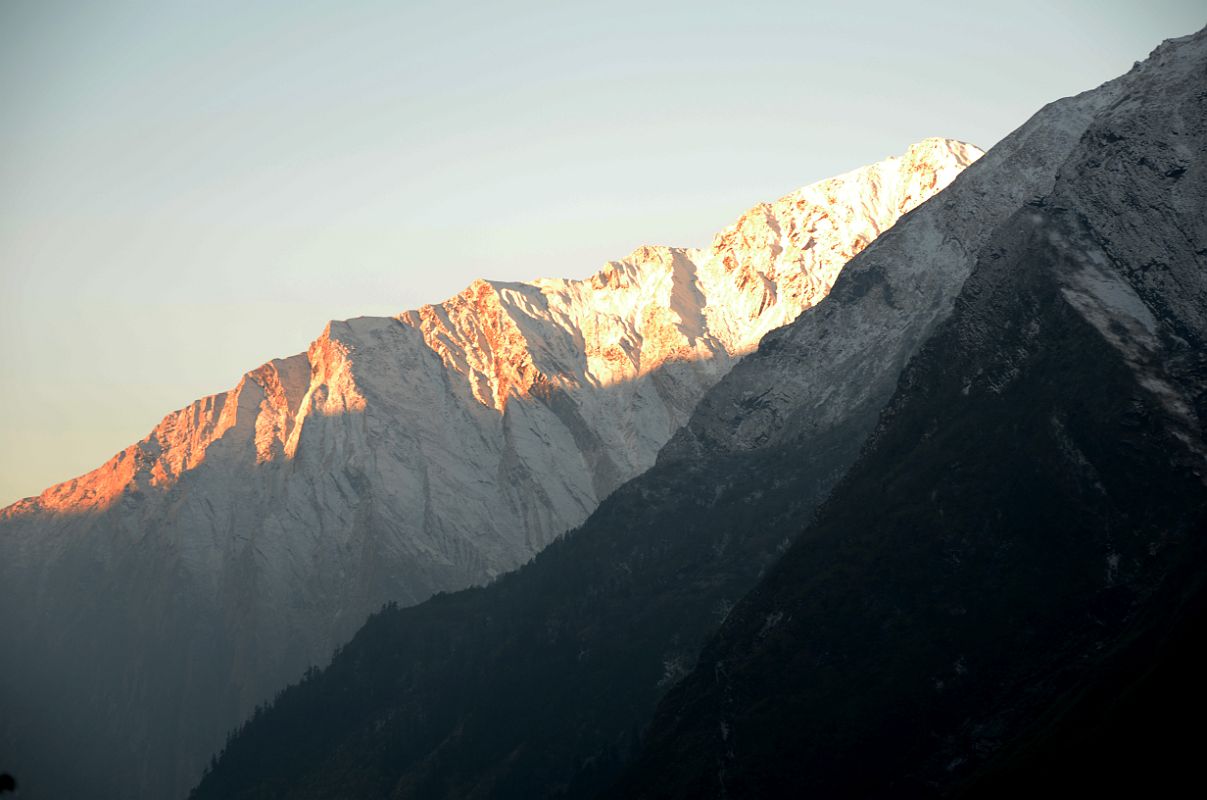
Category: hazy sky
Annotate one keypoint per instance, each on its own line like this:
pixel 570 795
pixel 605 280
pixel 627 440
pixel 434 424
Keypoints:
pixel 190 189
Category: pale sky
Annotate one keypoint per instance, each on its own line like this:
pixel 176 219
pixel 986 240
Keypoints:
pixel 190 189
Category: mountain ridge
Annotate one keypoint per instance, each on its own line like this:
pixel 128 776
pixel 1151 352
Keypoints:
pixel 254 530
pixel 501 368
pixel 539 684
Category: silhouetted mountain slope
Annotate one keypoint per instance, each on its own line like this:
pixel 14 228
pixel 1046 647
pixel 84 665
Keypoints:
pixel 539 684
pixel 509 690
pixel 1009 575
pixel 1129 727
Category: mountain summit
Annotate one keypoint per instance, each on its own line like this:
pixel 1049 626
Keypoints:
pixel 154 601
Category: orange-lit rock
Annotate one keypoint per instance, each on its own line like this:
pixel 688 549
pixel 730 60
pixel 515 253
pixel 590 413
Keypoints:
pixel 496 340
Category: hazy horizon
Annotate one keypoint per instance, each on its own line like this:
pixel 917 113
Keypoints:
pixel 191 191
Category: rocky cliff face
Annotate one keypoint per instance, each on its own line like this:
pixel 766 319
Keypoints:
pixel 156 599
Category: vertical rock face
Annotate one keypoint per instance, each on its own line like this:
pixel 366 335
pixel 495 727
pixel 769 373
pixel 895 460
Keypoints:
pixel 155 600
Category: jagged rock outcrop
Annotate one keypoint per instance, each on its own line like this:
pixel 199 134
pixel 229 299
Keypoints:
pixel 154 601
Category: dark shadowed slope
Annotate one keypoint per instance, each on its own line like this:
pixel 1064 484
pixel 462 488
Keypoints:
pixel 540 684
pixel 1009 577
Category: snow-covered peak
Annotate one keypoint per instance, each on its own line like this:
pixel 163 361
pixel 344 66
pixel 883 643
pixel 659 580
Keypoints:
pixel 497 340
